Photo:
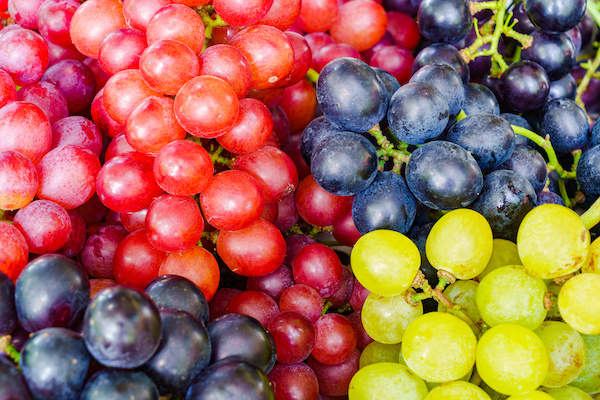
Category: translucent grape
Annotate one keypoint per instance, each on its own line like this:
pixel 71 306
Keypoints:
pixel 461 243
pixel 552 241
pixel 386 318
pixel 567 393
pixel 376 352
pixel 462 293
pixel 535 395
pixel 439 347
pixel 385 262
pixel 579 303
pixel 510 294
pixel 384 381
pixel 592 264
pixel 589 379
pixel 511 359
pixel 504 253
pixel 457 390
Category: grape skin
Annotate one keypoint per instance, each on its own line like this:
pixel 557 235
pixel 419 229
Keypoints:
pixel 384 381
pixel 386 318
pixel 579 303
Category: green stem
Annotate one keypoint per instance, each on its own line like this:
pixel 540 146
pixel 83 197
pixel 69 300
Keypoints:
pixel 312 76
pixel 591 217
pixel 7 347
pixel 593 8
pixel 326 307
pixel 210 24
pixel 461 115
pixel 563 193
pixel 587 78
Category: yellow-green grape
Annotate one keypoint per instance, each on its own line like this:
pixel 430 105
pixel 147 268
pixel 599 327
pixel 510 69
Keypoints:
pixel 566 351
pixel 567 393
pixel 534 395
pixel 461 243
pixel 552 241
pixel 385 381
pixel 511 359
pixel 457 390
pixel 385 262
pixel 462 293
pixel 431 385
pixel 589 379
pixel 554 314
pixel 579 303
pixel 376 352
pixel 491 392
pixel 385 318
pixel 510 294
pixel 439 347
pixel 592 264
pixel 504 253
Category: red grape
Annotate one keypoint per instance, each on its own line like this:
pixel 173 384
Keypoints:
pixel 47 97
pixel 24 55
pixel 344 230
pixel 121 49
pixel 299 102
pixel 360 23
pixel 255 304
pixel 363 338
pixel 25 12
pixel 251 130
pixel 8 91
pixel 334 380
pixel 218 304
pixel 98 251
pixel 79 131
pixel 336 339
pixel 341 296
pixel 287 215
pixel 117 146
pixel 395 60
pixel 228 63
pixel 242 12
pixel 404 30
pixel 319 267
pixel 45 226
pixel 319 207
pixel 294 382
pixel 177 22
pixel 14 252
pixel 333 51
pixel 123 91
pixel 139 12
pixel 273 284
pixel 282 14
pixel 317 15
pixel 135 220
pixel 103 121
pixel 18 180
pixel 136 262
pixel 294 336
pixel 54 18
pixel 303 299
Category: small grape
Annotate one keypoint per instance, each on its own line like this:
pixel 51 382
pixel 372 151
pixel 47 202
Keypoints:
pixel 504 253
pixel 592 263
pixel 589 379
pixel 567 393
pixel 457 390
pixel 579 303
pixel 383 381
pixel 376 352
pixel 386 318
pixel 462 293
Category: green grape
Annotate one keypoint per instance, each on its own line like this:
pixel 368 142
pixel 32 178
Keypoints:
pixel 457 390
pixel 385 262
pixel 491 392
pixel 566 351
pixel 462 293
pixel 376 352
pixel 589 379
pixel 552 241
pixel 439 347
pixel 431 385
pixel 385 318
pixel 385 381
pixel 511 359
pixel 534 395
pixel 461 243
pixel 567 393
pixel 579 303
pixel 504 253
pixel 553 314
pixel 592 264
pixel 510 294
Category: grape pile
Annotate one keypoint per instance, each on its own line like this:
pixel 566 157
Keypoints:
pixel 299 199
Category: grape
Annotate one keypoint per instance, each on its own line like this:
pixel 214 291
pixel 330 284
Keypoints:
pixel 384 381
pixel 577 303
pixel 504 252
pixel 529 163
pixel 47 97
pixel 462 293
pixel 563 88
pixel 75 80
pixel 302 299
pixel 107 15
pixel 230 64
pixel 178 293
pixel 454 248
pixel 294 336
pixel 567 393
pixel 12 385
pixel 19 180
pixel 385 319
pixel 444 21
pixel 19 45
pixel 566 123
pixel 524 86
pixel 360 24
pixel 555 15
pixel 335 339
pixel 255 304
pixel 294 381
pixel 535 395
pixel 439 347
pixel 542 254
pixel 113 384
pixel 171 21
pixel 8 313
pixel 442 53
pixel 554 52
pixel 589 379
pixel 385 262
pixel 480 100
pixel 511 359
pixel 457 390
pixel 251 130
pixel 376 352
pixel 447 81
pixel 587 171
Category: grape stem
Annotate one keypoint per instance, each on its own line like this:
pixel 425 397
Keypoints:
pixel 589 74
pixel 210 23
pixel 3 217
pixel 388 150
pixel 312 76
pixel 591 217
pixel 7 347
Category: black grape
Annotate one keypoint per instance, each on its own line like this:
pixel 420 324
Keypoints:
pixel 408 7
pixel 549 198
pixel 54 363
pixel 350 95
pixel 316 130
pixel 565 87
pixel 517 120
pixel 505 199
pixel 442 53
pixel 52 290
pixel 390 83
pixel 178 293
pixel 524 24
pixel 418 112
pixel 595 134
pixel 566 123
pixel 588 171
pixel 480 100
pixel 444 21
pixel 489 138
pixel 529 163
pixel 183 353
pixel 241 336
pixel 555 52
pixel 524 86
pixel 555 15
pixel 386 204
pixel 12 385
pixel 113 384
pixel 122 327
pixel 231 379
pixel 344 163
pixel 447 81
pixel 8 313
pixel 443 175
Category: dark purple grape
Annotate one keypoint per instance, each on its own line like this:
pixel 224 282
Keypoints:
pixel 8 312
pixel 409 7
pixel 529 163
pixel 55 363
pixel 52 290
pixel 418 234
pixel 566 123
pixel 12 385
pixel 418 112
pixel 183 353
pixel 505 199
pixel 492 84
pixel 344 163
pixel 524 86
pixel 480 100
pixel 595 134
pixel 489 138
pixel 563 88
pixel 350 95
pixel 443 175
pixel 517 120
pixel 555 15
pixel 575 36
pixel 442 53
pixel 231 379
pixel 386 204
pixel 589 29
pixel 524 24
pixel 315 131
pixel 178 293
pixel 555 52
pixel 122 327
pixel 447 81
pixel 549 198
pixel 588 171
pixel 388 81
pixel 241 336
pixel 113 384
pixel 275 283
pixel 444 21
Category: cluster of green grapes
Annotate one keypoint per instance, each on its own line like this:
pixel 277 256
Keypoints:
pixel 516 321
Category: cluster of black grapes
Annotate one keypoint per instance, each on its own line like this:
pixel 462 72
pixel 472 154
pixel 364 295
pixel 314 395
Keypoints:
pixel 125 343
pixel 461 150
